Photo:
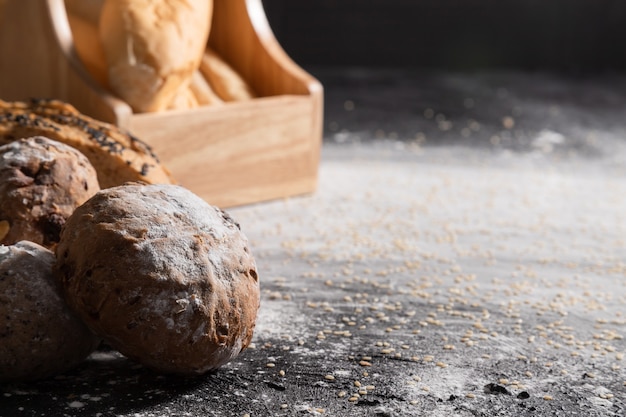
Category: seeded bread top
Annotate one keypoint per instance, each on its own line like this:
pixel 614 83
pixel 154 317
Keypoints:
pixel 116 155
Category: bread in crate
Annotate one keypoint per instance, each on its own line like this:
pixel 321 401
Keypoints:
pixel 229 149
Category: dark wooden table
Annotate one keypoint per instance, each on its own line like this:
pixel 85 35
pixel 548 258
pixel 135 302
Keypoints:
pixel 465 255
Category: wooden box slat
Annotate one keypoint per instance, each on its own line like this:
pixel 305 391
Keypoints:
pixel 238 153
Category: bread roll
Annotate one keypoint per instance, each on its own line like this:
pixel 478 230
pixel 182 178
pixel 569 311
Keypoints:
pixel 162 276
pixel 41 183
pixel 226 82
pixel 116 155
pixel 152 47
pixel 39 335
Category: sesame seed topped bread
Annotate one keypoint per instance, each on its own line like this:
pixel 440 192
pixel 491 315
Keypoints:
pixel 116 155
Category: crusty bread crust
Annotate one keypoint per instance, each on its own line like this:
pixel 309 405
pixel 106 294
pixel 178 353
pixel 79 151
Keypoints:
pixel 226 82
pixel 162 276
pixel 153 47
pixel 42 181
pixel 116 155
pixel 39 335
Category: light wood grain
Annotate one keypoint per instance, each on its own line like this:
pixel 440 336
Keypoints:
pixel 88 47
pixel 40 60
pixel 232 154
pixel 240 152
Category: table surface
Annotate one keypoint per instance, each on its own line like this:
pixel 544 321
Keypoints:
pixel 464 255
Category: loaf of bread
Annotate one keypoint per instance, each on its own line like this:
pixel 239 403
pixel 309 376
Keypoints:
pixel 152 47
pixel 39 335
pixel 162 276
pixel 41 184
pixel 226 82
pixel 183 100
pixel 116 155
pixel 205 95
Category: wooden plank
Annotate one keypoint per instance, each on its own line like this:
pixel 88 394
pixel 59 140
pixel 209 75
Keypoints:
pixel 39 60
pixel 240 152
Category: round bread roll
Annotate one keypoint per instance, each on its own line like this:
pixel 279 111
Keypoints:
pixel 41 183
pixel 152 47
pixel 39 335
pixel 162 276
pixel 117 156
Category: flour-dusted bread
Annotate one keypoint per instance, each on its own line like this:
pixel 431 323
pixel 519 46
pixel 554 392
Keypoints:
pixel 39 335
pixel 152 47
pixel 161 275
pixel 116 155
pixel 41 183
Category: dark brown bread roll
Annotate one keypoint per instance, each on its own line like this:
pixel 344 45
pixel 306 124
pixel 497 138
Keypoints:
pixel 161 275
pixel 41 183
pixel 39 335
pixel 117 156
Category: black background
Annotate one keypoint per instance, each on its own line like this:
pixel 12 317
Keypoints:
pixel 564 35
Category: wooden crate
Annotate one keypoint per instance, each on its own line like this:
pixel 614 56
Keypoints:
pixel 238 153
